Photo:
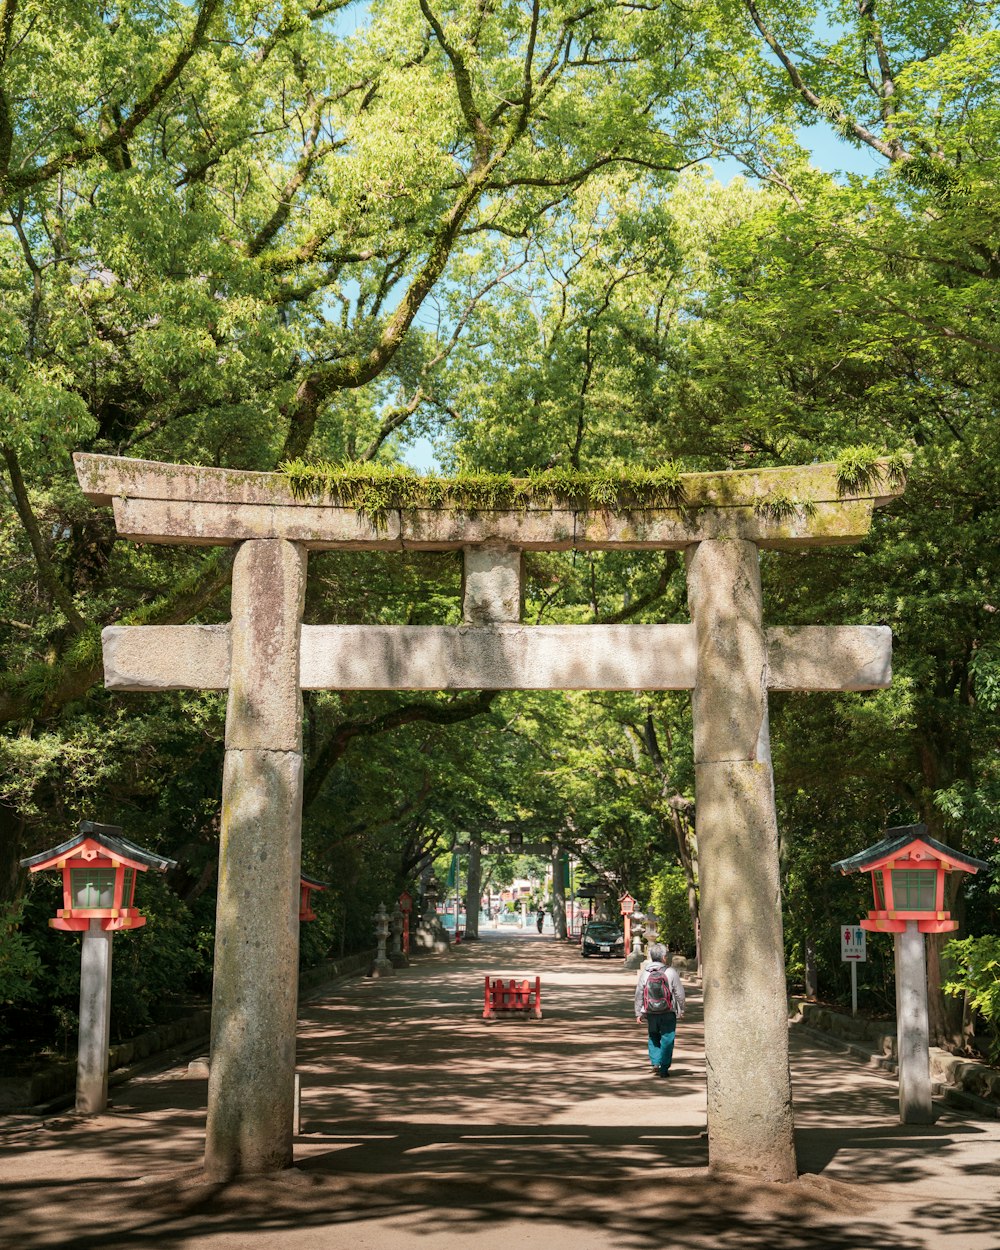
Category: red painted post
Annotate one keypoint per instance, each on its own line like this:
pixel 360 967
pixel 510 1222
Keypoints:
pixel 406 906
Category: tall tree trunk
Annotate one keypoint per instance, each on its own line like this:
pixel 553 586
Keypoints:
pixel 11 850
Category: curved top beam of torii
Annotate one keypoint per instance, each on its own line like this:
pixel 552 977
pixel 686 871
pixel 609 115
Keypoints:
pixel 177 503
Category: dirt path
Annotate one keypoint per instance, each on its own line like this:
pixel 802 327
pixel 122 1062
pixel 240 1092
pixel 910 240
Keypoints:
pixel 423 1127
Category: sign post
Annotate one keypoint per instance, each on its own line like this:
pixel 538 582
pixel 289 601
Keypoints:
pixel 853 951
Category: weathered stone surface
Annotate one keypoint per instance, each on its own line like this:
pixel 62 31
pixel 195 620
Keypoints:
pixel 255 986
pixel 750 1124
pixel 730 697
pixel 223 524
pixel 265 702
pixel 830 657
pixel 95 1020
pixel 511 657
pixel 491 585
pixel 166 657
pixel 786 507
pixel 446 529
pixel 254 990
pixel 750 1127
pixel 807 525
pixel 196 657
pixel 912 1030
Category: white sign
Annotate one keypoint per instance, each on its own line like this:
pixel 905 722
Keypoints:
pixel 852 943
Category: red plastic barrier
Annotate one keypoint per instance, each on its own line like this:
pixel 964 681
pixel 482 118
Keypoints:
pixel 513 995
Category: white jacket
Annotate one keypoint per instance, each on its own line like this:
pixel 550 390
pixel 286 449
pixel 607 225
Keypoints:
pixel 673 980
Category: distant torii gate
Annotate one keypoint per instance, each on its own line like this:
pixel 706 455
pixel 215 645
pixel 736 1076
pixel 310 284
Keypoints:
pixel 265 657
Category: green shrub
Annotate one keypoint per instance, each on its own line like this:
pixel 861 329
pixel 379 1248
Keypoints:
pixel 977 973
pixel 668 898
pixel 20 965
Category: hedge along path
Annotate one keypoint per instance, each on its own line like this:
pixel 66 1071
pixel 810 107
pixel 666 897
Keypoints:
pixel 265 657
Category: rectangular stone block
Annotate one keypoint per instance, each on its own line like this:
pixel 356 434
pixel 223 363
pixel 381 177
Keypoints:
pixel 504 657
pixel 491 585
pixel 750 1121
pixel 730 697
pixel 166 657
pixel 223 524
pixel 830 657
pixel 782 508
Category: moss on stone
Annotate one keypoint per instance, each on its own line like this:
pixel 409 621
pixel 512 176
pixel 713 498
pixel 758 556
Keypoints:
pixel 375 490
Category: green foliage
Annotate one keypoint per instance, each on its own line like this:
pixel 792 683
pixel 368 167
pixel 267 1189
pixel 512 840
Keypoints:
pixel 20 966
pixel 668 898
pixel 866 468
pixel 976 973
pixel 156 966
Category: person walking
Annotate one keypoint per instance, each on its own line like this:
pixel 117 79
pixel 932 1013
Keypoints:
pixel 659 1001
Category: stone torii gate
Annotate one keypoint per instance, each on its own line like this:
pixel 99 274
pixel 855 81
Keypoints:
pixel 265 657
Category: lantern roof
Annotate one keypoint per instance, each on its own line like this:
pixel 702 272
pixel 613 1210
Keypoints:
pixel 313 883
pixel 903 838
pixel 111 839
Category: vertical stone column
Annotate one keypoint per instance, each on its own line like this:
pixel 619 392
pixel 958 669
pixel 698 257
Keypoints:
pixel 255 987
pixel 750 1128
pixel 95 1020
pixel 912 1030
pixel 473 889
pixel 558 893
pixel 491 585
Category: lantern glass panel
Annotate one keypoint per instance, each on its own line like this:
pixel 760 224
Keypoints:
pixel 127 884
pixel 914 889
pixel 93 887
pixel 879 893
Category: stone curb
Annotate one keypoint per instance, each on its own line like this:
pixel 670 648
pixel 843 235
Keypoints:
pixel 961 1082
pixel 50 1087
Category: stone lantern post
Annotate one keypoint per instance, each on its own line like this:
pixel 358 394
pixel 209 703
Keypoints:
pixel 397 955
pixel 634 958
pixel 382 967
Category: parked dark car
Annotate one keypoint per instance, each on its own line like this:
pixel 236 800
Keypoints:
pixel 602 938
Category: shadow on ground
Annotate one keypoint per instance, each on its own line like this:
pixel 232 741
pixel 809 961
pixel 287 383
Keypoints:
pixel 425 1126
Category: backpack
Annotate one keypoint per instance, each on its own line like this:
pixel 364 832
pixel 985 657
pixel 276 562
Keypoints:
pixel 657 996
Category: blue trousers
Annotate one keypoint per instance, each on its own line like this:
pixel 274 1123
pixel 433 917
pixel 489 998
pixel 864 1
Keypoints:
pixel 662 1031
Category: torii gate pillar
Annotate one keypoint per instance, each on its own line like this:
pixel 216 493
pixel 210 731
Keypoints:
pixel 252 1072
pixel 746 1029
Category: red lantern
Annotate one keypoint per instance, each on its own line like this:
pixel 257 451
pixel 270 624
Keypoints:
pixel 99 869
pixel 306 887
pixel 908 871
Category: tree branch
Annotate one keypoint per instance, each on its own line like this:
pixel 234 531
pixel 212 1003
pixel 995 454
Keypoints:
pixel 409 713
pixel 891 151
pixel 392 421
pixel 47 575
pixel 119 136
pixel 8 10
pixel 481 135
